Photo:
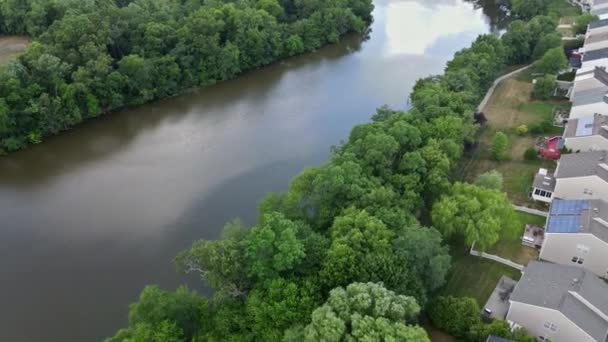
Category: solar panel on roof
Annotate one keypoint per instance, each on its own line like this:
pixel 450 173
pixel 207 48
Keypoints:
pixel 564 224
pixel 568 207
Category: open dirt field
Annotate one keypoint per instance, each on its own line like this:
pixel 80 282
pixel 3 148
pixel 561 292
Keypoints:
pixel 11 47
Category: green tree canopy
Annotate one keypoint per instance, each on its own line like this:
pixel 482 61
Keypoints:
pixel 552 61
pixel 500 145
pixel 478 214
pixel 363 312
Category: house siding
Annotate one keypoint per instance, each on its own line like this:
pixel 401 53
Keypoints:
pixel 560 248
pixel 588 143
pixel 597 45
pixel 589 109
pixel 533 319
pixel 574 188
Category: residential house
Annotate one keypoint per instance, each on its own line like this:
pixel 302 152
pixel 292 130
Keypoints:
pixel 587 134
pixel 576 233
pixel 597 26
pixel 589 93
pixel 582 176
pixel 560 303
pixel 591 59
pixel 543 186
pixel 596 41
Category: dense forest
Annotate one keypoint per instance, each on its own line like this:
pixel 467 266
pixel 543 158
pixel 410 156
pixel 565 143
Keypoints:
pixel 343 255
pixel 93 56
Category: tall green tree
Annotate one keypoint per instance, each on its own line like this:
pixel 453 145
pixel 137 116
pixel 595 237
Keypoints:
pixel 480 215
pixel 363 312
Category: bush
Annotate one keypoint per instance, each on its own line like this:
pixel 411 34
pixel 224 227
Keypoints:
pixel 491 180
pixel 544 87
pixel 499 146
pixel 552 61
pixel 531 154
pixel 567 76
pixel 522 130
pixel 581 22
pixel 573 44
pixel 455 315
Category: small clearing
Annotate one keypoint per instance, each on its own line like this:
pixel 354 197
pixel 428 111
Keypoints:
pixel 11 47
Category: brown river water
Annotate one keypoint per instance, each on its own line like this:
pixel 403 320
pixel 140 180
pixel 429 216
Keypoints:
pixel 89 217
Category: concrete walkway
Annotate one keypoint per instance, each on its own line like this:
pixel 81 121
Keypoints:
pixel 490 92
pixel 531 211
pixel 496 258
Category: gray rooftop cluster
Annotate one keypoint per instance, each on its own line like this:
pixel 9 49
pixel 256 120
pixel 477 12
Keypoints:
pixel 596 54
pixel 598 23
pixel 583 164
pixel 579 216
pixel 575 292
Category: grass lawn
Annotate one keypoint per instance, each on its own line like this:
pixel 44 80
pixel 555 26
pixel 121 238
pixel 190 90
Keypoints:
pixel 474 277
pixel 511 106
pixel 512 249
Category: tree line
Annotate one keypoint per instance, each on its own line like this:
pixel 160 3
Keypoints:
pixel 90 57
pixel 342 254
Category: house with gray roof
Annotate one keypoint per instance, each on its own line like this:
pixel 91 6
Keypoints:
pixel 543 186
pixel 576 234
pixel 560 303
pixel 589 94
pixel 582 175
pixel 593 58
pixel 596 41
pixel 588 133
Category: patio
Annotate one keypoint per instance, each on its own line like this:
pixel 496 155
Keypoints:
pixel 533 236
pixel 497 305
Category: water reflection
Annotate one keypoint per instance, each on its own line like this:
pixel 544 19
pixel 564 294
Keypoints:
pixel 91 216
pixel 438 20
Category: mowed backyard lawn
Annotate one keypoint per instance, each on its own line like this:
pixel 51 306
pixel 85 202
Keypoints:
pixel 510 107
pixel 476 277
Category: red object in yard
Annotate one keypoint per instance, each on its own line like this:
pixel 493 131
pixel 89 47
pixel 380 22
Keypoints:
pixel 551 148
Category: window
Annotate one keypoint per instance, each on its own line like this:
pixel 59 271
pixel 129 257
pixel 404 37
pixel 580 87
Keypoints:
pixel 550 326
pixel 543 193
pixel 537 192
pixel 580 261
pixel 588 192
pixel 574 259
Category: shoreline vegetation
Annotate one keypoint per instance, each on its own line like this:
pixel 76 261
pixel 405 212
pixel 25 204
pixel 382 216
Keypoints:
pixel 382 220
pixel 90 58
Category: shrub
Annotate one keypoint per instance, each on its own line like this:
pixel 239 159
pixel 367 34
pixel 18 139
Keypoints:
pixel 581 22
pixel 455 315
pixel 491 180
pixel 544 87
pixel 531 154
pixel 552 61
pixel 522 130
pixel 499 146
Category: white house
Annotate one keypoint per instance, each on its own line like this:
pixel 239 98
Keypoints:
pixel 582 176
pixel 591 59
pixel 589 94
pixel 576 233
pixel 589 79
pixel 543 186
pixel 560 303
pixel 589 133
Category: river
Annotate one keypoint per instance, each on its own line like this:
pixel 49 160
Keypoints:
pixel 89 217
